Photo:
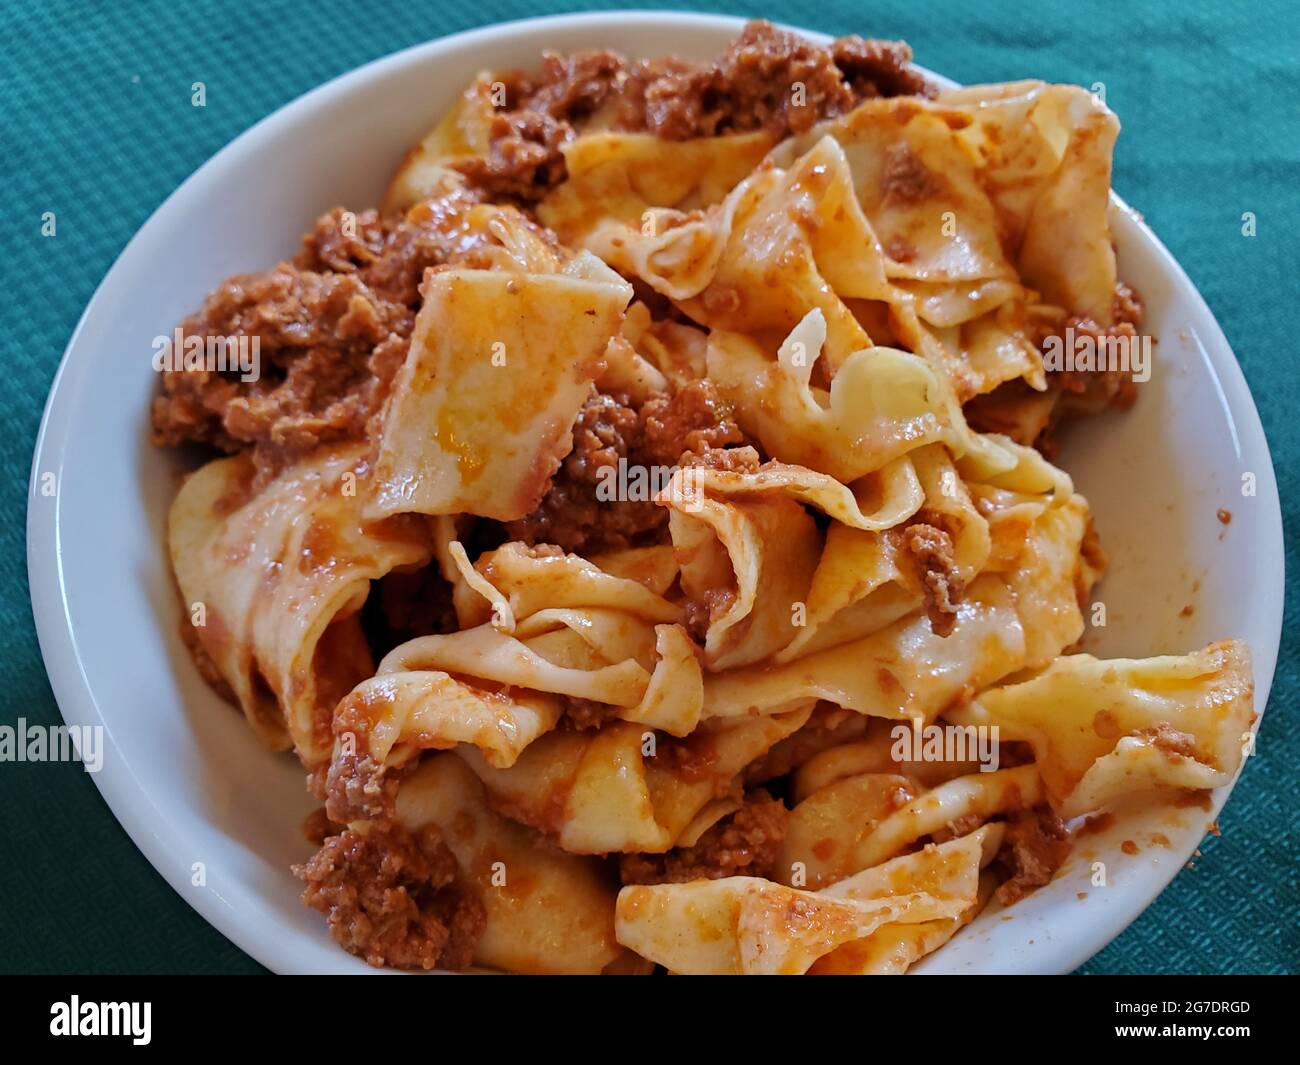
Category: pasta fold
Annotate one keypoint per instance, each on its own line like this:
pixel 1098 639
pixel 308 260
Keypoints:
pixel 546 911
pixel 623 789
pixel 1103 730
pixel 745 925
pixel 498 367
pixel 274 580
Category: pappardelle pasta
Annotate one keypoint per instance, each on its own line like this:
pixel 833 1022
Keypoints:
pixel 643 529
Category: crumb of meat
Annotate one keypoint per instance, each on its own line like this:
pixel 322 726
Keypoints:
pixel 728 459
pixel 1126 306
pixel 932 550
pixel 332 327
pixel 1035 846
pixel 357 787
pixel 317 776
pixel 608 429
pixel 751 85
pixel 878 68
pixel 954 829
pixel 694 758
pixel 693 419
pixel 701 611
pixel 905 179
pixel 1169 740
pixel 394 897
pixel 745 843
pixel 1091 391
pixel 524 158
pixel 585 714
pixel 1073 393
pixel 317 827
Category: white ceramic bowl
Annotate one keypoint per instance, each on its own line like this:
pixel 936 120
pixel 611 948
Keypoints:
pixel 182 772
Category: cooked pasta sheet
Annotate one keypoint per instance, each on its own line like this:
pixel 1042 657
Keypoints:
pixel 273 581
pixel 637 536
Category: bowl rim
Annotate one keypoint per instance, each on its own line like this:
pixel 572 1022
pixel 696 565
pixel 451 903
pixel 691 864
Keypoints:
pixel 156 837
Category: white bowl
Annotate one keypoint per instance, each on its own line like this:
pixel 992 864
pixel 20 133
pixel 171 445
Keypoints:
pixel 182 772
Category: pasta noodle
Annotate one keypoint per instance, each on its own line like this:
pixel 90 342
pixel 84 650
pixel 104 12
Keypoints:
pixel 274 586
pixel 1123 726
pixel 742 925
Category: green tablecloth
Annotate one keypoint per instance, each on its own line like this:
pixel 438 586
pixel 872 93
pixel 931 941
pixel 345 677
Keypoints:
pixel 97 126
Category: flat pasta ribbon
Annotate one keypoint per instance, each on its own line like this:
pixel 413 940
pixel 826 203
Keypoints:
pixel 278 578
pixel 745 925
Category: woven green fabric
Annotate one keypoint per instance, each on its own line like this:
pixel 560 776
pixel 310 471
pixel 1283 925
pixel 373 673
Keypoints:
pixel 98 127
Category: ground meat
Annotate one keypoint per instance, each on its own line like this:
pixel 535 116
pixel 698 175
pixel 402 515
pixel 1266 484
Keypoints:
pixel 1069 393
pixel 905 180
pixel 728 459
pixel 571 87
pixel 317 827
pixel 1092 391
pixel 576 513
pixel 394 898
pixel 572 514
pixel 332 327
pixel 878 68
pixel 1036 845
pixel 1126 308
pixel 524 159
pixel 701 611
pixel 752 84
pixel 693 758
pixel 1169 740
pixel 692 420
pixel 358 787
pixel 932 550
pixel 328 348
pixel 765 79
pixel 745 843
pixel 955 829
pixel 585 714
